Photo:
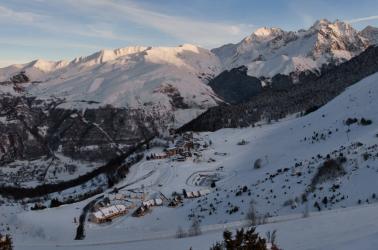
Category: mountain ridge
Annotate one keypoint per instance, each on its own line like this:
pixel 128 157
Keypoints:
pixel 270 51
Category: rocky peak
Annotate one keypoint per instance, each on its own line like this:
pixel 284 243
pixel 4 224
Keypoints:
pixel 336 38
pixel 265 34
pixel 271 51
pixel 106 55
pixel 371 34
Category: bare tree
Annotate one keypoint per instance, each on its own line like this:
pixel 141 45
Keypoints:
pixel 306 212
pixel 180 233
pixel 271 236
pixel 251 215
pixel 257 164
pixel 195 228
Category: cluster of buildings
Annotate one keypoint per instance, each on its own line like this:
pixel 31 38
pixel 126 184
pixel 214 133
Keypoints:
pixel 146 205
pixel 181 150
pixel 183 147
pixel 125 196
pixel 105 214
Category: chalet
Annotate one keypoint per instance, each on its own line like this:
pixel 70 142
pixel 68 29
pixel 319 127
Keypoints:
pixel 159 156
pixel 141 211
pixel 180 158
pixel 105 214
pixel 188 136
pixel 204 192
pixel 175 201
pixel 114 197
pixel 179 143
pixel 186 154
pixel 152 202
pixel 172 151
pixel 146 205
pixel 195 194
pixel 188 145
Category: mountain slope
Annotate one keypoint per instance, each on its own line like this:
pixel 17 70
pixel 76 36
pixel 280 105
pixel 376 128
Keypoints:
pixel 155 79
pixel 271 51
pixel 292 154
pixel 276 103
pixel 235 86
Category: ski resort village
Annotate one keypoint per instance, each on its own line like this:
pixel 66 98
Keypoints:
pixel 226 137
pixel 138 201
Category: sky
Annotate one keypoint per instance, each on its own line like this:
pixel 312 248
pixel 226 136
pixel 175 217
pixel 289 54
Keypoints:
pixel 65 29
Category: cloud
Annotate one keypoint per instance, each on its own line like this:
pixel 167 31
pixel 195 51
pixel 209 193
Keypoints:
pixel 206 33
pixel 55 25
pixel 363 19
pixel 15 16
pixel 46 43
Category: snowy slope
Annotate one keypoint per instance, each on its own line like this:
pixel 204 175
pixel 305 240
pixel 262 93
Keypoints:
pixel 162 78
pixel 343 229
pixel 280 146
pixel 270 51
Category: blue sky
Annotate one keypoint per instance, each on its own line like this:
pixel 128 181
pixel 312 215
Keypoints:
pixel 64 29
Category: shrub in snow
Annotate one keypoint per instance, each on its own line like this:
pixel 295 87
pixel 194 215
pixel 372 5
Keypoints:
pixel 257 164
pixel 329 170
pixel 248 239
pixel 351 121
pixel 242 142
pixel 180 233
pixel 195 228
pixel 365 122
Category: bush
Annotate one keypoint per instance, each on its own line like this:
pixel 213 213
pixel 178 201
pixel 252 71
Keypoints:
pixel 251 215
pixel 195 228
pixel 180 233
pixel 257 164
pixel 55 203
pixel 329 170
pixel 311 109
pixel 6 244
pixel 365 122
pixel 365 156
pixel 248 239
pixel 351 121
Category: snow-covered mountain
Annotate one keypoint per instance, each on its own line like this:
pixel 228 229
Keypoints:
pixel 174 79
pixel 271 51
pixel 163 78
pixel 324 161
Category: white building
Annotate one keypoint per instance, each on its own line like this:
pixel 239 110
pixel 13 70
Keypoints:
pixel 105 213
pixel 152 202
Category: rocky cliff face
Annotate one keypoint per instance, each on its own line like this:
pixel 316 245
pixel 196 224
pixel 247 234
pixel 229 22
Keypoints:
pixel 37 138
